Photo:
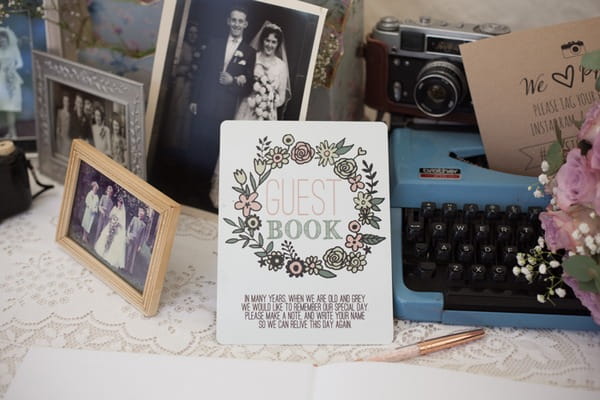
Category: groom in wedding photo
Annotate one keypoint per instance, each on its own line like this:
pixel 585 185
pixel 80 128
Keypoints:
pixel 226 70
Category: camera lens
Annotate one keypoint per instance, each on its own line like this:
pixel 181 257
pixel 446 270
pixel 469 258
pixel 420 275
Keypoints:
pixel 440 87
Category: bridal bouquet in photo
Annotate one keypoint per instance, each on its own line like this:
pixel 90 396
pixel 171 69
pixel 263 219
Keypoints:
pixel 263 99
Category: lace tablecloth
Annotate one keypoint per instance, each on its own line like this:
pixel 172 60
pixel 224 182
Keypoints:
pixel 49 299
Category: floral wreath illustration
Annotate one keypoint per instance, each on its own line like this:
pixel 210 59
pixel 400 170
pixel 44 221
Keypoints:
pixel 270 158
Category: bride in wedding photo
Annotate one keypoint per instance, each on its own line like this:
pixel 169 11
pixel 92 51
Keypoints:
pixel 111 242
pixel 271 87
pixel 10 80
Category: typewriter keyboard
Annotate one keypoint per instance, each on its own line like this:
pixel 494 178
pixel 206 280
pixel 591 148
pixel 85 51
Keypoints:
pixel 468 254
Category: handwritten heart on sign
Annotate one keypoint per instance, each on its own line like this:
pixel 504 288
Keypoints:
pixel 565 79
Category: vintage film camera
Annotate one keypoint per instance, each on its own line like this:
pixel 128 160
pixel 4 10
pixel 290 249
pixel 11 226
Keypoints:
pixel 14 180
pixel 415 68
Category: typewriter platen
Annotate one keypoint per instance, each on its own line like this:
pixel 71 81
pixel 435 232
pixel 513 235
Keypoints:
pixel 463 275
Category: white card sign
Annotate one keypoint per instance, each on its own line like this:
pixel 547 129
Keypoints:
pixel 304 233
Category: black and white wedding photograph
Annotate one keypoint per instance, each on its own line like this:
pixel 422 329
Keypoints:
pixel 248 60
pixel 113 225
pixel 81 115
pixel 20 32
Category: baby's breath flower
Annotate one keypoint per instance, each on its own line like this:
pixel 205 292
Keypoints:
pixel 554 264
pixel 584 228
pixel 516 271
pixel 576 234
pixel 541 241
pixel 538 194
pixel 545 166
pixel 580 250
pixel 543 269
pixel 543 179
pixel 541 298
pixel 593 215
pixel 560 292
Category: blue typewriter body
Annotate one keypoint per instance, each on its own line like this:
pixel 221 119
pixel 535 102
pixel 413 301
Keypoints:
pixel 422 169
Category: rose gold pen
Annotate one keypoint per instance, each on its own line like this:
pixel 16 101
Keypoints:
pixel 428 346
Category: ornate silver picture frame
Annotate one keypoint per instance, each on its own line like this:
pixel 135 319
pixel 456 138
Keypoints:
pixel 74 101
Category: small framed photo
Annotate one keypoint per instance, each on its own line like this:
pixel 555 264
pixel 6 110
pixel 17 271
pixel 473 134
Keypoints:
pixel 225 60
pixel 117 225
pixel 21 31
pixel 74 101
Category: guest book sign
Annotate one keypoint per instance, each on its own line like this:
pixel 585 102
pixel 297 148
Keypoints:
pixel 304 233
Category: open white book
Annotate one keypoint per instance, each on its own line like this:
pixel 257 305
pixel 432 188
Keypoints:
pixel 59 374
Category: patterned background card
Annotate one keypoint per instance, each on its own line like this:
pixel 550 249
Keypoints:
pixel 304 233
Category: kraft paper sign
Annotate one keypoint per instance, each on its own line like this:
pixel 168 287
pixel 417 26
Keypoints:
pixel 524 84
pixel 304 251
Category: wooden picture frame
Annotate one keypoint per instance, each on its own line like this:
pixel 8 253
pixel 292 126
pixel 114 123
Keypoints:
pixel 187 102
pixel 125 247
pixel 111 109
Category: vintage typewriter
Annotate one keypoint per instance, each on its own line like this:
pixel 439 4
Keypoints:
pixel 456 228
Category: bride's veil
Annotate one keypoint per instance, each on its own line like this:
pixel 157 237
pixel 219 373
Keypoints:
pixel 13 49
pixel 280 52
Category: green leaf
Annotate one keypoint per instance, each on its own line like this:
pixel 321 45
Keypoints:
pixel 340 143
pixel 326 274
pixel 260 254
pixel 230 222
pixel 270 247
pixel 253 182
pixel 264 177
pixel 372 239
pixel 374 223
pixel 260 239
pixel 582 268
pixel 238 230
pixel 377 200
pixel 255 246
pixel 591 60
pixel 343 150
pixel 591 286
pixel 241 222
pixel 375 208
pixel 232 241
pixel 237 189
pixel 555 158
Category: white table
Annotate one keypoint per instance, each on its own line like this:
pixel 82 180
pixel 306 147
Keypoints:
pixel 48 299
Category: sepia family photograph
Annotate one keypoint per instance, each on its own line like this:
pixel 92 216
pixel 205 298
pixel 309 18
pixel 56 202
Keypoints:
pixel 244 60
pixel 81 115
pixel 113 225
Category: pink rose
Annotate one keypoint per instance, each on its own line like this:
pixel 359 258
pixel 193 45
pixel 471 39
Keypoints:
pixel 588 299
pixel 591 126
pixel 558 226
pixel 576 181
pixel 302 153
pixel 594 154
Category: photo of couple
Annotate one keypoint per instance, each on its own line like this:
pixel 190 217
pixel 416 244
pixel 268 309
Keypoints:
pixel 234 61
pixel 80 115
pixel 113 225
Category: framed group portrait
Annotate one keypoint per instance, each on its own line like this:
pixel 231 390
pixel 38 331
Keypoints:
pixel 74 101
pixel 226 60
pixel 117 225
pixel 21 31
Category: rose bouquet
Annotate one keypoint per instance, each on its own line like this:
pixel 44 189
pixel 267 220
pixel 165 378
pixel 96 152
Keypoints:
pixel 571 221
pixel 569 252
pixel 264 98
